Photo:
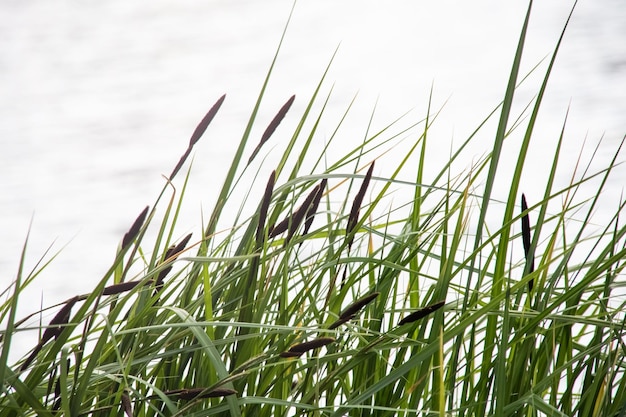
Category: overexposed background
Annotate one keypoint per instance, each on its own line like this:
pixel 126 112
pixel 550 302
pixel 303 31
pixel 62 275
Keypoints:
pixel 98 99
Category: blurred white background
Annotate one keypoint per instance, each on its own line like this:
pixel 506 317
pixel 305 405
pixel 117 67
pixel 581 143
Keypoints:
pixel 98 99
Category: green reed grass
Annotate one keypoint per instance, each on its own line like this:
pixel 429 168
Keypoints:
pixel 346 290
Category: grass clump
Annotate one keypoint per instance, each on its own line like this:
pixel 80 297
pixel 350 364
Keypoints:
pixel 399 299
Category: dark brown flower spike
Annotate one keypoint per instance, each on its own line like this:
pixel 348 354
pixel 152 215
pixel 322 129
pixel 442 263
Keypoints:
pixel 526 239
pixel 121 287
pixel 57 387
pixel 192 393
pixel 272 126
pixel 422 312
pixel 59 320
pixel 292 222
pixel 353 219
pixel 54 329
pixel 265 205
pixel 126 405
pixel 301 348
pixel 57 395
pixel 310 213
pixel 134 229
pixel 339 322
pixel 279 228
pixel 290 354
pixel 206 121
pixel 299 215
pixel 350 312
pixel 197 133
pixel 180 163
pixel 170 256
pixel 353 308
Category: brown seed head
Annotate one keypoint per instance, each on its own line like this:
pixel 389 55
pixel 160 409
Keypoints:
pixel 311 344
pixel 353 308
pixel 272 126
pixel 422 312
pixel 353 219
pixel 265 204
pixel 134 229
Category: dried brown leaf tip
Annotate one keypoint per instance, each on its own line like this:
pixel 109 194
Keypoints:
pixel 265 205
pixel 526 240
pixel 422 312
pixel 193 393
pixel 301 348
pixel 353 219
pixel 134 229
pixel 272 127
pixel 350 312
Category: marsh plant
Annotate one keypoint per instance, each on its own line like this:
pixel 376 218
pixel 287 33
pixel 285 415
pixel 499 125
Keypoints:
pixel 349 286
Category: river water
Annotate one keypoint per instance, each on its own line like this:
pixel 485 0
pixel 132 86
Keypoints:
pixel 98 99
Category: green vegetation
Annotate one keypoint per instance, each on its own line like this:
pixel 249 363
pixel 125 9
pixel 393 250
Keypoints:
pixel 346 291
